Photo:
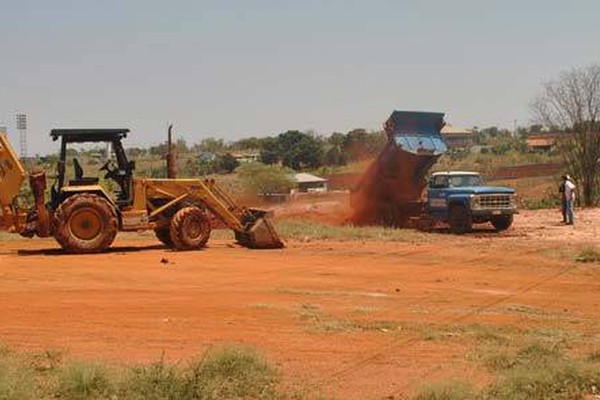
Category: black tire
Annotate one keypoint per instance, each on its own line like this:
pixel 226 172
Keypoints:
pixel 502 222
pixel 85 223
pixel 460 220
pixel 164 235
pixel 190 229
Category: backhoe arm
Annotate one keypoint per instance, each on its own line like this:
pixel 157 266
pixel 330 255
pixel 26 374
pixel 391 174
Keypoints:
pixel 12 175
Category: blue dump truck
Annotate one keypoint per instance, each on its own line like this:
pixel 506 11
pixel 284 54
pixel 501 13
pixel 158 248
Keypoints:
pixel 461 199
pixel 394 190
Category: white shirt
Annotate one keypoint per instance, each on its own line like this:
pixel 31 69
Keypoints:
pixel 569 190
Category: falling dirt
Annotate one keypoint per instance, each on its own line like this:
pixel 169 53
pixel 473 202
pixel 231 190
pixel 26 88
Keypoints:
pixel 350 319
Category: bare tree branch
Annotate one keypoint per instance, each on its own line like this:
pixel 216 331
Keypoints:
pixel 571 102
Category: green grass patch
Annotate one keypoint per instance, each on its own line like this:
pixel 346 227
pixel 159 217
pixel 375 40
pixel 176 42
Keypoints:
pixel 451 390
pixel 532 356
pixel 563 380
pixel 535 371
pixel 589 255
pixel 230 372
pixel 307 230
pixel 83 380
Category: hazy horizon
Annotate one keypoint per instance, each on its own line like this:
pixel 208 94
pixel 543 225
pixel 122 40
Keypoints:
pixel 233 69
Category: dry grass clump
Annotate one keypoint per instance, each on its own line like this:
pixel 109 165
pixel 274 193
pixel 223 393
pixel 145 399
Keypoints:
pixel 307 231
pixel 222 373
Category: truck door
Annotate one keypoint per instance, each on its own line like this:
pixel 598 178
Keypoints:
pixel 436 197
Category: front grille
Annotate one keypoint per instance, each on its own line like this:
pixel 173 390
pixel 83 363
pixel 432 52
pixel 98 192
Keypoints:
pixel 495 201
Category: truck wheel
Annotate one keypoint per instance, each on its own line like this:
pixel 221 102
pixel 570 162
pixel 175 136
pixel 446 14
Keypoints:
pixel 190 229
pixel 85 223
pixel 502 222
pixel 164 235
pixel 459 219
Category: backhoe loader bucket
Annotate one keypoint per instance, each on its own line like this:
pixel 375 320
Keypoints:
pixel 259 233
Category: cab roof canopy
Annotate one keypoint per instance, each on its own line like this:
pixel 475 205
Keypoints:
pixel 88 135
pixel 453 173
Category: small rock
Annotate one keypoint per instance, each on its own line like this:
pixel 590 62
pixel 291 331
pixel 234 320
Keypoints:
pixel 164 261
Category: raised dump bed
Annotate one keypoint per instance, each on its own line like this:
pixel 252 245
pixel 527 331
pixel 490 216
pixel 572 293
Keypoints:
pixel 389 192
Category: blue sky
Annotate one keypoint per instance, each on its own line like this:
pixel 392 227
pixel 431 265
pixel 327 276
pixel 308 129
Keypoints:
pixel 232 68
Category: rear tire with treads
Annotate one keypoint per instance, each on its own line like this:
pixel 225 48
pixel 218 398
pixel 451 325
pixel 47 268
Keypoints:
pixel 85 223
pixel 459 219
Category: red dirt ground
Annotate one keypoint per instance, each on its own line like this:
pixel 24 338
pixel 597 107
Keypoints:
pixel 335 317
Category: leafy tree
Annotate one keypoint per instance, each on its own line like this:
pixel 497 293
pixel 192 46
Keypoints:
pixel 572 102
pixel 270 151
pixel 181 146
pixel 159 150
pixel 251 143
pixel 227 163
pixel 300 150
pixel 335 154
pixel 360 144
pixel 261 179
pixel 211 145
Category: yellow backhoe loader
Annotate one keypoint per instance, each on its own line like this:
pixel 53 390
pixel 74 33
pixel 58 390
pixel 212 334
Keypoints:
pixel 85 218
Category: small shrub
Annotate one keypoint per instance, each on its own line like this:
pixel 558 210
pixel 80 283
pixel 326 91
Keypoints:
pixel 16 382
pixel 81 380
pixel 589 255
pixel 157 381
pixel 499 362
pixel 231 373
pixel 532 356
pixel 594 357
pixel 453 390
pixel 554 381
pixel 539 354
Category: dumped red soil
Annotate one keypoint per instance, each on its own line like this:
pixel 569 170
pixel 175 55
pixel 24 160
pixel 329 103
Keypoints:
pixel 351 319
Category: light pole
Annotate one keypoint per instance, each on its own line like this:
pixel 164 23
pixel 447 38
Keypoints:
pixel 22 128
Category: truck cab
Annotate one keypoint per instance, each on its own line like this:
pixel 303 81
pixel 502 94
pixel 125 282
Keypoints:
pixel 461 199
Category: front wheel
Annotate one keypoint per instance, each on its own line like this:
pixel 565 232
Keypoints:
pixel 190 229
pixel 460 220
pixel 502 222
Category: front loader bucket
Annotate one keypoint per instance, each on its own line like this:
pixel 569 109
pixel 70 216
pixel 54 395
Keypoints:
pixel 259 233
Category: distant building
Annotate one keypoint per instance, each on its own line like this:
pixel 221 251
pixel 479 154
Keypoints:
pixel 458 138
pixel 541 142
pixel 207 156
pixel 246 156
pixel 308 183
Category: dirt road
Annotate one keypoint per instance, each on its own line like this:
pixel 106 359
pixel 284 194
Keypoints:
pixel 353 319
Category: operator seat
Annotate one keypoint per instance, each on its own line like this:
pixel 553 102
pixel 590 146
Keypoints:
pixel 78 169
pixel 80 180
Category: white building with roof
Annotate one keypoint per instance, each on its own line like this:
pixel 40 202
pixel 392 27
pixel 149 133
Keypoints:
pixel 308 183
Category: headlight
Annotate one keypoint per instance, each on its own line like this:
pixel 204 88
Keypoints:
pixel 475 201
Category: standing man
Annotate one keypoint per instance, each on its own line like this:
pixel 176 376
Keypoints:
pixel 569 199
pixel 563 200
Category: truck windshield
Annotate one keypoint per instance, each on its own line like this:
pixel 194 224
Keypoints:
pixel 465 180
